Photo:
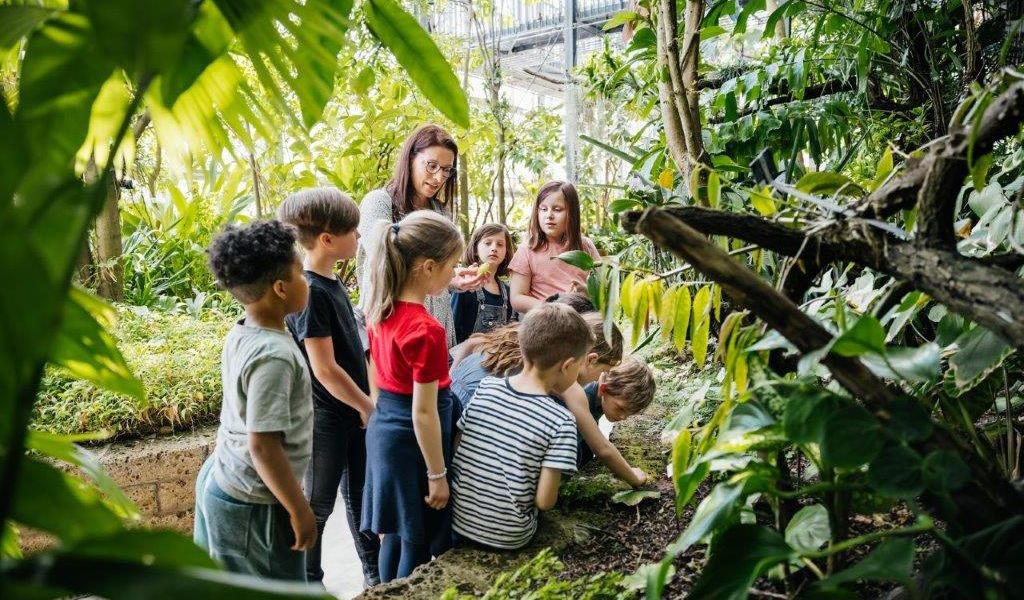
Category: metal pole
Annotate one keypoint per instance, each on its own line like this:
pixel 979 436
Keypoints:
pixel 571 116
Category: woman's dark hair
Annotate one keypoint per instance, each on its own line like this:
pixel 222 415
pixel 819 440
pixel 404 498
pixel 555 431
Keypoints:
pixel 488 230
pixel 248 260
pixel 573 237
pixel 401 187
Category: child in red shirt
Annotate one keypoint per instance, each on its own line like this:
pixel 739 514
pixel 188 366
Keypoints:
pixel 409 435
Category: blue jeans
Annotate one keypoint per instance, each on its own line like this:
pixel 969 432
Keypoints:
pixel 254 539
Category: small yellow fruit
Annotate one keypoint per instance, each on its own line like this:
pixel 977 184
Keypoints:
pixel 483 269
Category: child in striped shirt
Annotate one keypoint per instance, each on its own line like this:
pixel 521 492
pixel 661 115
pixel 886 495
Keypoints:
pixel 517 439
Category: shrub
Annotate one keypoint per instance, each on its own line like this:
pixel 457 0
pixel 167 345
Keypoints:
pixel 176 356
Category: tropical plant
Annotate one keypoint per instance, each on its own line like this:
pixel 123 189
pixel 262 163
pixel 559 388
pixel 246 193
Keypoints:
pixel 85 71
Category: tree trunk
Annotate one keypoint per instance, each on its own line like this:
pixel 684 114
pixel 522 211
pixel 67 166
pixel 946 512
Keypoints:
pixel 110 280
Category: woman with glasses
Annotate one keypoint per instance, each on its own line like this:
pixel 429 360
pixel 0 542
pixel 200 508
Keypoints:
pixel 425 178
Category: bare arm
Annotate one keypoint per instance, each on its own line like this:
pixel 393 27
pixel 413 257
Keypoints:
pixel 337 381
pixel 547 488
pixel 371 373
pixel 274 469
pixel 427 425
pixel 606 452
pixel 519 292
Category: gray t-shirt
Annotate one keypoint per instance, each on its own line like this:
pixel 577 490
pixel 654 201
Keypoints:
pixel 266 388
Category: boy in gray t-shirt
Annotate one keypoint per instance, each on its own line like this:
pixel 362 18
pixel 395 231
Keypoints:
pixel 251 513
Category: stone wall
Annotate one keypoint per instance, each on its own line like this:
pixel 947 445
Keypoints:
pixel 158 474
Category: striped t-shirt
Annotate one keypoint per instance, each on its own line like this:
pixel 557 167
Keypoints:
pixel 507 437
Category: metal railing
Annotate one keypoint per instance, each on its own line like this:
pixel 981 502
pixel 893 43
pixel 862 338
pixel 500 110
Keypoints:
pixel 515 18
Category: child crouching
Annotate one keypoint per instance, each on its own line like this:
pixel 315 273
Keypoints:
pixel 517 439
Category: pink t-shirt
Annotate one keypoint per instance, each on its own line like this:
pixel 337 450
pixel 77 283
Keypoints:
pixel 548 275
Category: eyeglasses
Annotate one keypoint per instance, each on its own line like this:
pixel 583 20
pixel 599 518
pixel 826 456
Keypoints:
pixel 433 168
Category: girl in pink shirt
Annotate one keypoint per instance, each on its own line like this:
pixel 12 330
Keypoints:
pixel 554 229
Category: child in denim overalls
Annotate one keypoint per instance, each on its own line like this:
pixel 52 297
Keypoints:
pixel 489 307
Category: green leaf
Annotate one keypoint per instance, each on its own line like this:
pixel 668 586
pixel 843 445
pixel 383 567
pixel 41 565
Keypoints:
pixel 87 351
pixel 808 529
pixel 738 557
pixel 945 471
pixel 882 170
pixel 713 511
pixel 578 259
pixel 806 414
pixel 910 421
pixel 49 500
pixel 292 47
pixel 761 200
pixel 364 80
pixel 150 41
pixel 63 448
pixel 74 572
pixel 61 76
pixel 19 20
pixel 622 205
pixel 751 7
pixel 714 190
pixel 619 19
pixel 892 560
pixel 980 353
pixel 826 183
pixel 701 324
pixel 626 156
pixel 897 472
pixel 634 497
pixel 682 317
pixel 14 149
pixel 910 364
pixel 419 56
pixel 851 438
pixel 866 335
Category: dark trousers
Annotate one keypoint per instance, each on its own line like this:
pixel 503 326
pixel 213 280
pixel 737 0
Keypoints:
pixel 339 460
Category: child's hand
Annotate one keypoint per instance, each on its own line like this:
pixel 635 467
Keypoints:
pixel 304 527
pixel 468 279
pixel 437 493
pixel 641 477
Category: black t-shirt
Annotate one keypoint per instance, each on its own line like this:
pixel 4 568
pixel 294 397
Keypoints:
pixel 329 314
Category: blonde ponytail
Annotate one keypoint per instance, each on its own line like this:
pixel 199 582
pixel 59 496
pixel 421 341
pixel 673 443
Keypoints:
pixel 422 234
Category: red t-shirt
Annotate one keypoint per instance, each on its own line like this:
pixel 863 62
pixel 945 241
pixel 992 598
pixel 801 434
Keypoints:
pixel 409 346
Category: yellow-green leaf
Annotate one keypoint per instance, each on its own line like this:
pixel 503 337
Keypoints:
pixel 761 200
pixel 882 170
pixel 740 373
pixel 714 190
pixel 716 301
pixel 667 314
pixel 681 453
pixel 638 318
pixel 666 178
pixel 701 325
pixel 626 301
pixel 682 318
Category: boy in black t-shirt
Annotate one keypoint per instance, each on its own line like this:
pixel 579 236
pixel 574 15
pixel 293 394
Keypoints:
pixel 328 336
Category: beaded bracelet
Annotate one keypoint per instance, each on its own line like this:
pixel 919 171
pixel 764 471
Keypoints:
pixel 436 476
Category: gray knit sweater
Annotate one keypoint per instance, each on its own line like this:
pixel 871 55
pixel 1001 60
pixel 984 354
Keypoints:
pixel 376 207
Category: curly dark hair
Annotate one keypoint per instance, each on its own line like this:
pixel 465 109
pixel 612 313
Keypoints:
pixel 247 260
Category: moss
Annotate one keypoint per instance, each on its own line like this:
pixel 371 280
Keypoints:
pixel 537 579
pixel 176 356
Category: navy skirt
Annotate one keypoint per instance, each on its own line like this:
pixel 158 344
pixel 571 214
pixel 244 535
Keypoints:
pixel 396 475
